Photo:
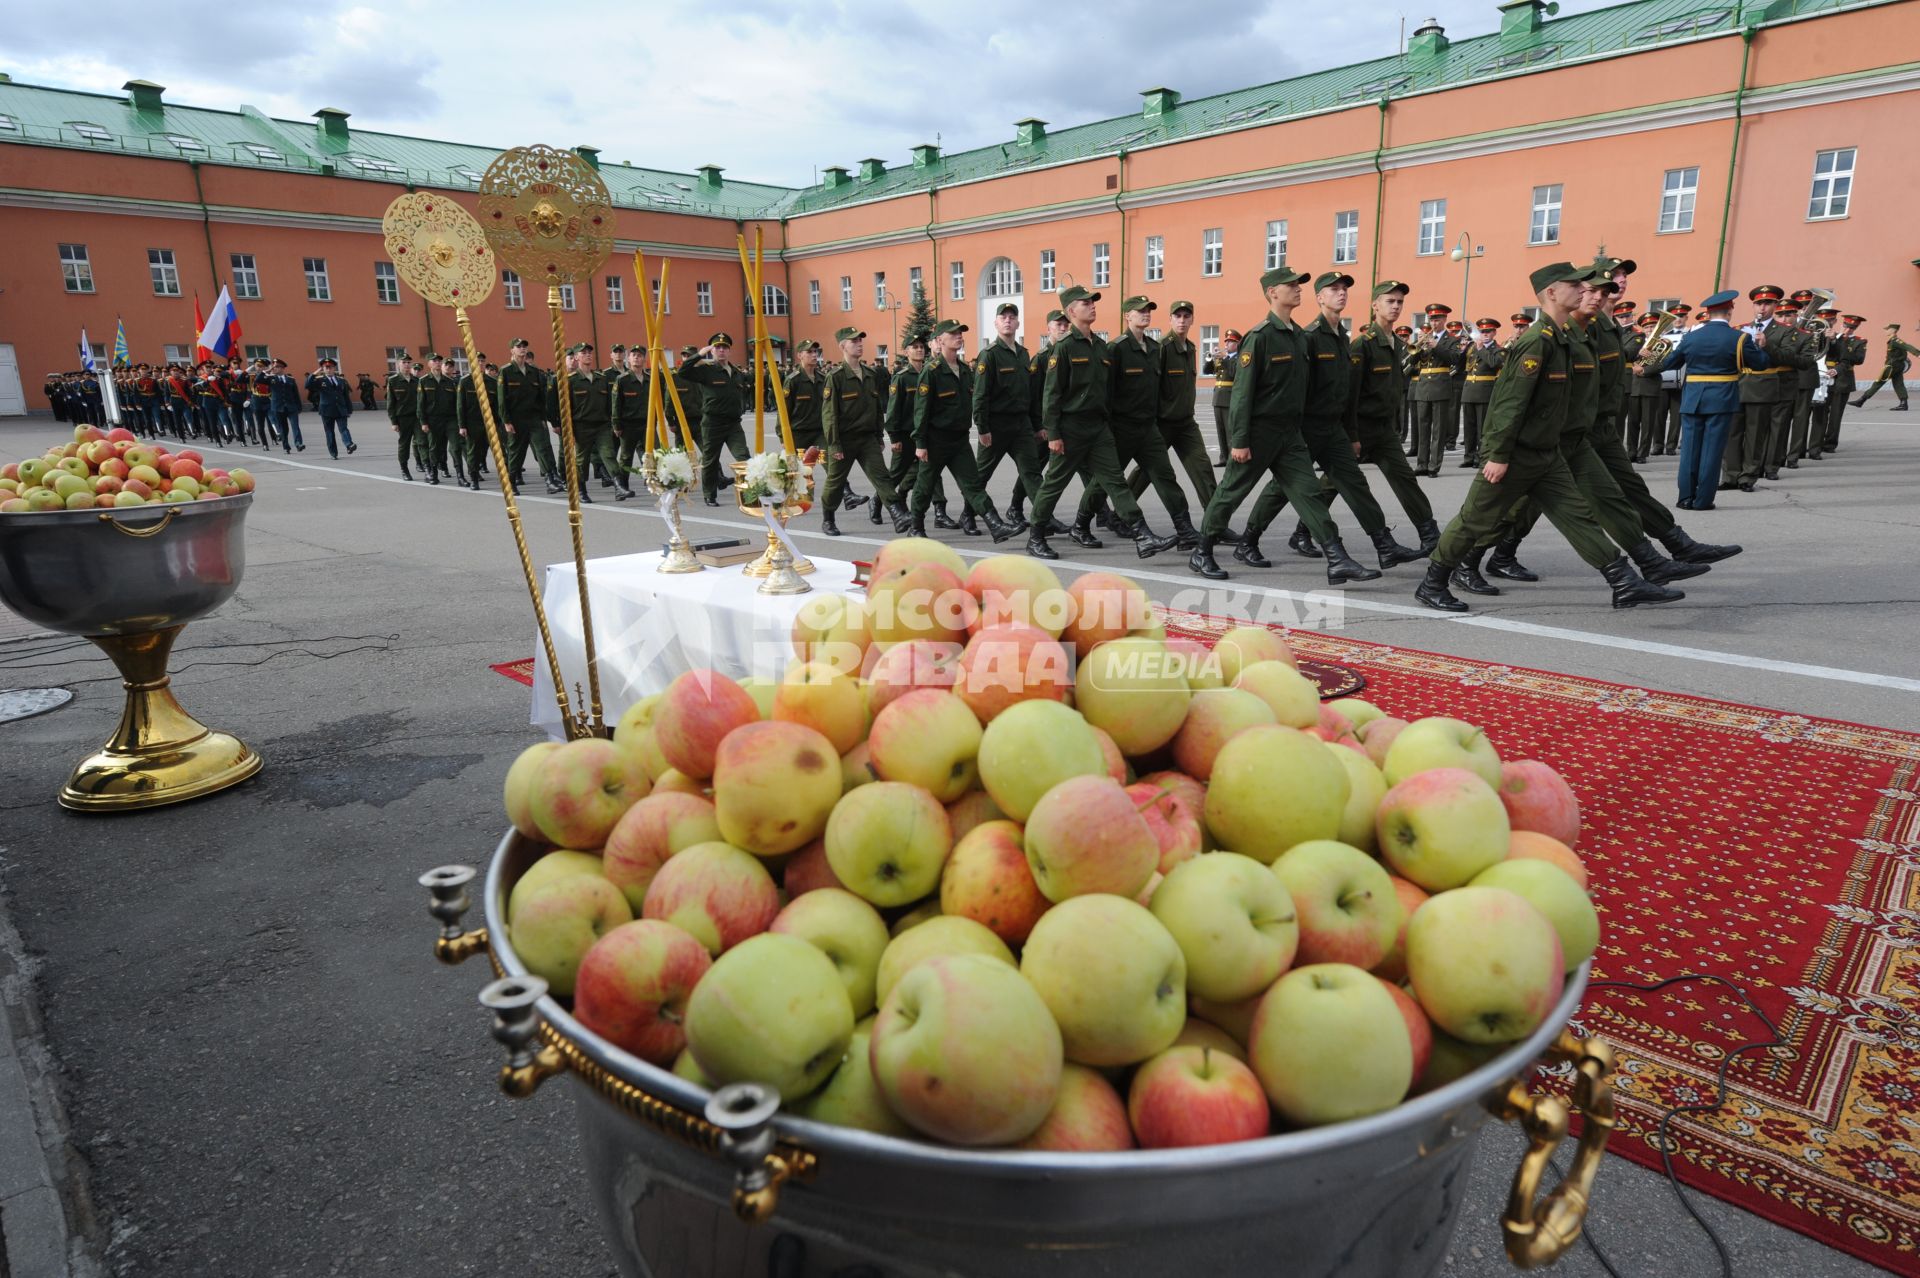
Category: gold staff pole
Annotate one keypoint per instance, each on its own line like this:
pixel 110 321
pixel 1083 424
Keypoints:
pixel 442 254
pixel 595 724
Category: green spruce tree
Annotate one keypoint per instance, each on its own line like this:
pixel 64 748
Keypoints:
pixel 920 317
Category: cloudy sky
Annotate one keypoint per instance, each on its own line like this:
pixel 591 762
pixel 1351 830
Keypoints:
pixel 771 89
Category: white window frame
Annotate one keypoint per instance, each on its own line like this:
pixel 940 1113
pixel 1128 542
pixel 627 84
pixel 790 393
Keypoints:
pixel 510 290
pixel 1102 264
pixel 662 304
pixel 846 292
pixel 1276 244
pixel 1679 193
pixel 164 272
pixel 813 298
pixel 879 290
pixel 386 284
pixel 1156 256
pixel 703 298
pixel 916 283
pixel 568 298
pixel 398 361
pixel 1047 273
pixel 1543 226
pixel 258 352
pixel 957 277
pixel 321 354
pixel 1346 237
pixel 246 277
pixel 1003 278
pixel 1213 251
pixel 76 268
pixel 1432 240
pixel 1832 194
pixel 91 132
pixel 773 299
pixel 169 352
pixel 1209 342
pixel 616 295
pixel 319 285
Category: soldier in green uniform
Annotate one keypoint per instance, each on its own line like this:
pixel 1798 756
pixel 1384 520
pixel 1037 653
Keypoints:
pixel 1220 368
pixel 804 387
pixel 1057 328
pixel 902 390
pixel 1766 400
pixel 438 412
pixel 1434 355
pixel 1073 413
pixel 1174 415
pixel 1324 427
pixel 468 432
pixel 1522 439
pixel 403 410
pixel 522 416
pixel 591 405
pixel 1846 352
pixel 1133 407
pixel 1003 409
pixel 630 393
pixel 851 398
pixel 473 427
pixel 724 392
pixel 1264 434
pixel 942 432
pixel 1483 361
pixel 1894 370
pixel 689 393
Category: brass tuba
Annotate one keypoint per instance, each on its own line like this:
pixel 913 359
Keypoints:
pixel 1822 299
pixel 1658 346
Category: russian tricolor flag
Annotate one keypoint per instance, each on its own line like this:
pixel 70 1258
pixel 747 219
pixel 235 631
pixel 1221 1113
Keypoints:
pixel 221 335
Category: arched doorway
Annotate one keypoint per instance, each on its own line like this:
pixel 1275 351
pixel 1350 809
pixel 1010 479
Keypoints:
pixel 999 282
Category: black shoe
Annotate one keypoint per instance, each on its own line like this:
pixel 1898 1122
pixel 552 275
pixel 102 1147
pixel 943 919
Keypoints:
pixel 1103 518
pixel 853 501
pixel 1037 547
pixel 1900 407
pixel 710 499
pixel 1503 564
pixel 1220 464
pixel 405 473
pixel 1466 576
pixel 902 518
pixel 1630 589
pixel 968 524
pixel 1248 553
pixel 1202 562
pixel 1773 474
pixel 1302 542
pixel 1747 486
pixel 1660 570
pixel 1146 543
pixel 1685 503
pixel 1858 403
pixel 299 448
pixel 622 493
pixel 997 528
pixel 1392 552
pixel 586 498
pixel 1467 463
pixel 1689 551
pixel 1433 592
pixel 940 519
pixel 1185 535
pixel 1815 455
pixel 917 524
pixel 1793 463
pixel 1016 521
pixel 433 477
pixel 1082 535
pixel 1342 567
pixel 353 448
pixel 827 525
pixel 1429 535
pixel 605 482
pixel 335 456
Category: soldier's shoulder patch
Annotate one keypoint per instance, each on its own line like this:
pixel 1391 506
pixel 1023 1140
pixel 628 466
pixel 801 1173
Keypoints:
pixel 1529 365
pixel 1246 357
pixel 1052 361
pixel 923 388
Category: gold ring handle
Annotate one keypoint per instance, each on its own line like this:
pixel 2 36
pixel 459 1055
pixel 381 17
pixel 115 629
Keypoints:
pixel 1537 1234
pixel 106 517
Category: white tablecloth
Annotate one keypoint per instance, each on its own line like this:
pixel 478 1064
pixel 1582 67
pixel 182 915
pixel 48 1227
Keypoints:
pixel 651 626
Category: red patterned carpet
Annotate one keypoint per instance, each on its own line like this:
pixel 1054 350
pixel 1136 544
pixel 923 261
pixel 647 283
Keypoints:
pixel 1779 852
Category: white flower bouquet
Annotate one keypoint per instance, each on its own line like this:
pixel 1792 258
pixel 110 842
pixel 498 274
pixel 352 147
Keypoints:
pixel 771 480
pixel 673 469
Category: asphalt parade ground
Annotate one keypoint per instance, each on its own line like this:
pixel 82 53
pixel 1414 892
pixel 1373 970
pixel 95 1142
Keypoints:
pixel 230 1049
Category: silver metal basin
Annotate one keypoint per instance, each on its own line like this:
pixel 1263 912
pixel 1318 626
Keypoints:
pixel 1377 1197
pixel 124 571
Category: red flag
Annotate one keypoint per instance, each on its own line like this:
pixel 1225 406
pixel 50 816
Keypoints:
pixel 200 353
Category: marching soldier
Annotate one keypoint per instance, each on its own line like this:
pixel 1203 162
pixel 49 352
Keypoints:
pixel 1894 370
pixel 1133 403
pixel 467 430
pixel 284 395
pixel 1221 367
pixel 1270 392
pixel 902 389
pixel 1073 411
pixel 629 408
pixel 522 400
pixel 439 410
pixel 851 399
pixel 1003 410
pixel 1716 356
pixel 1845 353
pixel 1179 375
pixel 591 405
pixel 260 404
pixel 1483 362
pixel 803 387
pixel 473 427
pixel 238 388
pixel 1765 397
pixel 1057 328
pixel 1435 353
pixel 724 392
pixel 942 429
pixel 1603 331
pixel 403 411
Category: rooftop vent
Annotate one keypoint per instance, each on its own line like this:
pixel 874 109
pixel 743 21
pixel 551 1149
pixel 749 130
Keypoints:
pixel 1520 19
pixel 333 123
pixel 1429 38
pixel 1159 101
pixel 1029 131
pixel 709 174
pixel 591 154
pixel 926 155
pixel 872 168
pixel 145 95
pixel 834 177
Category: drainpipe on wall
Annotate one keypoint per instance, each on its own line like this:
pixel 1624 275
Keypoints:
pixel 933 285
pixel 786 274
pixel 206 225
pixel 1733 152
pixel 1119 195
pixel 1379 190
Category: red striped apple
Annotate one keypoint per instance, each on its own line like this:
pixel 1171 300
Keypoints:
pixel 1188 1096
pixel 633 986
pixel 1539 799
pixel 774 786
pixel 652 830
pixel 715 891
pixel 1087 1117
pixel 1346 903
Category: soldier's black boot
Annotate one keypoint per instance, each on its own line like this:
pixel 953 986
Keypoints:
pixel 968 524
pixel 1658 569
pixel 1858 403
pixel 556 486
pixel 902 519
pixel 1689 551
pixel 1630 589
pixel 1016 513
pixel 1103 518
pixel 853 500
pixel 1392 552
pixel 1344 567
pixel 1504 565
pixel 405 473
pixel 1146 543
pixel 1302 542
pixel 1185 535
pixel 1082 534
pixel 941 519
pixel 1248 553
pixel 623 491
pixel 1037 546
pixel 433 476
pixel 1016 518
pixel 1429 535
pixel 1433 592
pixel 1900 407
pixel 917 524
pixel 1203 562
pixel 877 512
pixel 827 525
pixel 997 528
pixel 1466 576
pixel 1055 528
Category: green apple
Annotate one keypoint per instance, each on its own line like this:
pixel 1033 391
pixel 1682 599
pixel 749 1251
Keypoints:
pixel 914 916
pixel 1215 716
pixel 936 937
pixel 1440 827
pixel 1441 743
pixel 581 789
pixel 764 693
pixel 1550 890
pixel 965 1050
pixel 771 1010
pixel 1273 787
pixel 851 1097
pixel 635 731
pixel 1113 977
pixel 1349 912
pixel 1293 698
pixel 1359 713
pixel 1484 964
pixel 1366 787
pixel 1451 1059
pixel 1244 646
pixel 1133 690
pixel 1330 1044
pixel 927 737
pixel 825 699
pixel 688 1068
pixel 888 841
pixel 845 929
pixel 1032 746
pixel 1086 835
pixel 558 922
pixel 1233 920
pixel 552 866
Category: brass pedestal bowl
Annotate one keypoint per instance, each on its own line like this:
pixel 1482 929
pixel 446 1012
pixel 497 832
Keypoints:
pixel 130 580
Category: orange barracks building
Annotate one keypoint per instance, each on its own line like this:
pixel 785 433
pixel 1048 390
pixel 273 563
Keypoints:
pixel 1718 143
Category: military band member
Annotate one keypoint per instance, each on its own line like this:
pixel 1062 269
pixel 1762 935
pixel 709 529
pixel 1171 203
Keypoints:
pixel 1483 361
pixel 1845 352
pixel 1716 357
pixel 1644 422
pixel 1220 368
pixel 852 400
pixel 1435 353
pixel 1265 424
pixel 1624 327
pixel 1894 370
pixel 403 412
pixel 1766 397
pixel 1457 330
pixel 1805 383
pixel 943 429
pixel 239 389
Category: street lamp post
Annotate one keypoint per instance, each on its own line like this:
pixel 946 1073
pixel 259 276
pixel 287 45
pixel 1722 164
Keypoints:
pixel 1465 250
pixel 893 304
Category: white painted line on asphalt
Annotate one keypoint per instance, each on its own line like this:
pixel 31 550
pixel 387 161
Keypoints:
pixel 1349 599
